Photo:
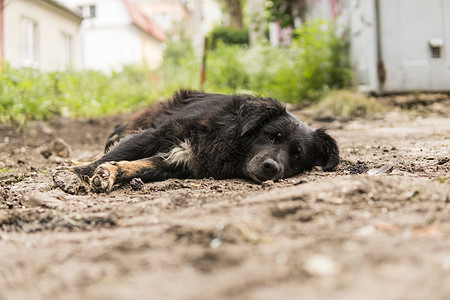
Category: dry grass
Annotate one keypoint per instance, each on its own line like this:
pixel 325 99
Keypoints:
pixel 345 104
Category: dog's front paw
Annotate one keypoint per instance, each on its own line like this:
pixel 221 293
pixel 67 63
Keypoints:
pixel 104 177
pixel 67 180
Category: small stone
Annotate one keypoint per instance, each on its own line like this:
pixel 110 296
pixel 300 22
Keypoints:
pixel 321 265
pixel 60 148
pixel 267 183
pixel 443 160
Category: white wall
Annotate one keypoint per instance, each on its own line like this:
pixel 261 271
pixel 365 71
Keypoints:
pixel 363 47
pixel 51 22
pixel 111 40
pixel 106 49
pixel 406 29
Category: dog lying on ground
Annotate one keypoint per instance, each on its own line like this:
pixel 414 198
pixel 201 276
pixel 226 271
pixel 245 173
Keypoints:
pixel 201 135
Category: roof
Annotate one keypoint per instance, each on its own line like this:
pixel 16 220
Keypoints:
pixel 144 23
pixel 73 12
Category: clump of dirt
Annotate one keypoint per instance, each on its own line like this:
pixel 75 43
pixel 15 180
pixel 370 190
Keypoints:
pixel 30 221
pixel 373 228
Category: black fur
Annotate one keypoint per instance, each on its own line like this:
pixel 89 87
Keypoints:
pixel 229 136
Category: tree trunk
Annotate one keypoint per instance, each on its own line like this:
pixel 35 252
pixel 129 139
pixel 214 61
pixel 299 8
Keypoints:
pixel 234 8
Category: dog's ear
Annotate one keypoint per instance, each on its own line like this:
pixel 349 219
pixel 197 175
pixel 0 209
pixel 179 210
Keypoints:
pixel 254 114
pixel 327 151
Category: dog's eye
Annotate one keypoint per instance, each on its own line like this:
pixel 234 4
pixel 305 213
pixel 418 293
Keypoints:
pixel 296 155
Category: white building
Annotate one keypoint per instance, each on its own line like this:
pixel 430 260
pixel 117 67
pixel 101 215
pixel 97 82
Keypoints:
pixel 40 34
pixel 116 33
pixel 192 18
pixel 396 46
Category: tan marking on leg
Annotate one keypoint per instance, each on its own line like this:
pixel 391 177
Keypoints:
pixel 128 169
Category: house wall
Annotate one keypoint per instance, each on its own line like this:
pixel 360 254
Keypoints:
pixel 51 23
pixel 111 40
pixel 363 47
pixel 107 49
pixel 152 54
pixel 400 41
pixel 406 28
pixel 168 14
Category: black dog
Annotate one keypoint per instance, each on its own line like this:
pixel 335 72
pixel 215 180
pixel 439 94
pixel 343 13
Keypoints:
pixel 198 135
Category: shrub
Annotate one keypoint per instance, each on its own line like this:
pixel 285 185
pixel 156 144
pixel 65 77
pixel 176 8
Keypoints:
pixel 30 95
pixel 322 60
pixel 229 36
pixel 226 71
pixel 316 62
pixel 180 69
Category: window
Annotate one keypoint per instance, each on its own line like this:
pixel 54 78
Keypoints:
pixel 66 51
pixel 435 52
pixel 436 45
pixel 92 11
pixel 29 43
pixel 88 11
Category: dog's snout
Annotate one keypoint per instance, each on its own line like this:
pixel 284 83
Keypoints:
pixel 270 168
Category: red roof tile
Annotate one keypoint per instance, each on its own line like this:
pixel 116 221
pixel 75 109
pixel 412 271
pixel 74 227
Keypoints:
pixel 144 23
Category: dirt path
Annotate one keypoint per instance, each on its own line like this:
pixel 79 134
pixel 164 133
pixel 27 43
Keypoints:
pixel 337 235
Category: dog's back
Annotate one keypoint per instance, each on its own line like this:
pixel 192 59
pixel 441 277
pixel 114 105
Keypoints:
pixel 183 104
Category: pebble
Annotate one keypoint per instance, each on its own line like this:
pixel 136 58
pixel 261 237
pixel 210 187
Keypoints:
pixel 321 265
pixel 267 183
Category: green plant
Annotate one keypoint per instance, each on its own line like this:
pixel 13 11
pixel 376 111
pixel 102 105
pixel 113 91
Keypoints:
pixel 316 62
pixel 180 69
pixel 322 60
pixel 228 36
pixel 225 70
pixel 6 170
pixel 29 95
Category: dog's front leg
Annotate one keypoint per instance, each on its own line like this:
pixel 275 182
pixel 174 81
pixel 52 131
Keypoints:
pixel 148 169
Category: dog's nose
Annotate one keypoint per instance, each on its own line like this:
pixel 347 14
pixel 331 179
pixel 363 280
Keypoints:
pixel 270 168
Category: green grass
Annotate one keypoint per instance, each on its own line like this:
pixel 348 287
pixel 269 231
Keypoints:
pixel 28 95
pixel 316 62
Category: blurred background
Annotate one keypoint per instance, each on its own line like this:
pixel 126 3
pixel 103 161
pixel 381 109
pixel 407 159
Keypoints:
pixel 80 58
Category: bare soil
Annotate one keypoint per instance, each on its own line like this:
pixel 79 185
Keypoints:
pixel 320 235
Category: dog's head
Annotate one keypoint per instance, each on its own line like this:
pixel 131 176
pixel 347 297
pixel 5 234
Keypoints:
pixel 278 145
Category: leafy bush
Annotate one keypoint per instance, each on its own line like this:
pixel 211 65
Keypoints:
pixel 26 94
pixel 225 69
pixel 23 94
pixel 229 36
pixel 180 69
pixel 316 61
pixel 323 59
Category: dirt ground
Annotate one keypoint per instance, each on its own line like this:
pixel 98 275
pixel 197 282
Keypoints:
pixel 346 234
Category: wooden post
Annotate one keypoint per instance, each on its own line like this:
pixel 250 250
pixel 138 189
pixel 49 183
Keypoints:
pixel 2 39
pixel 203 71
